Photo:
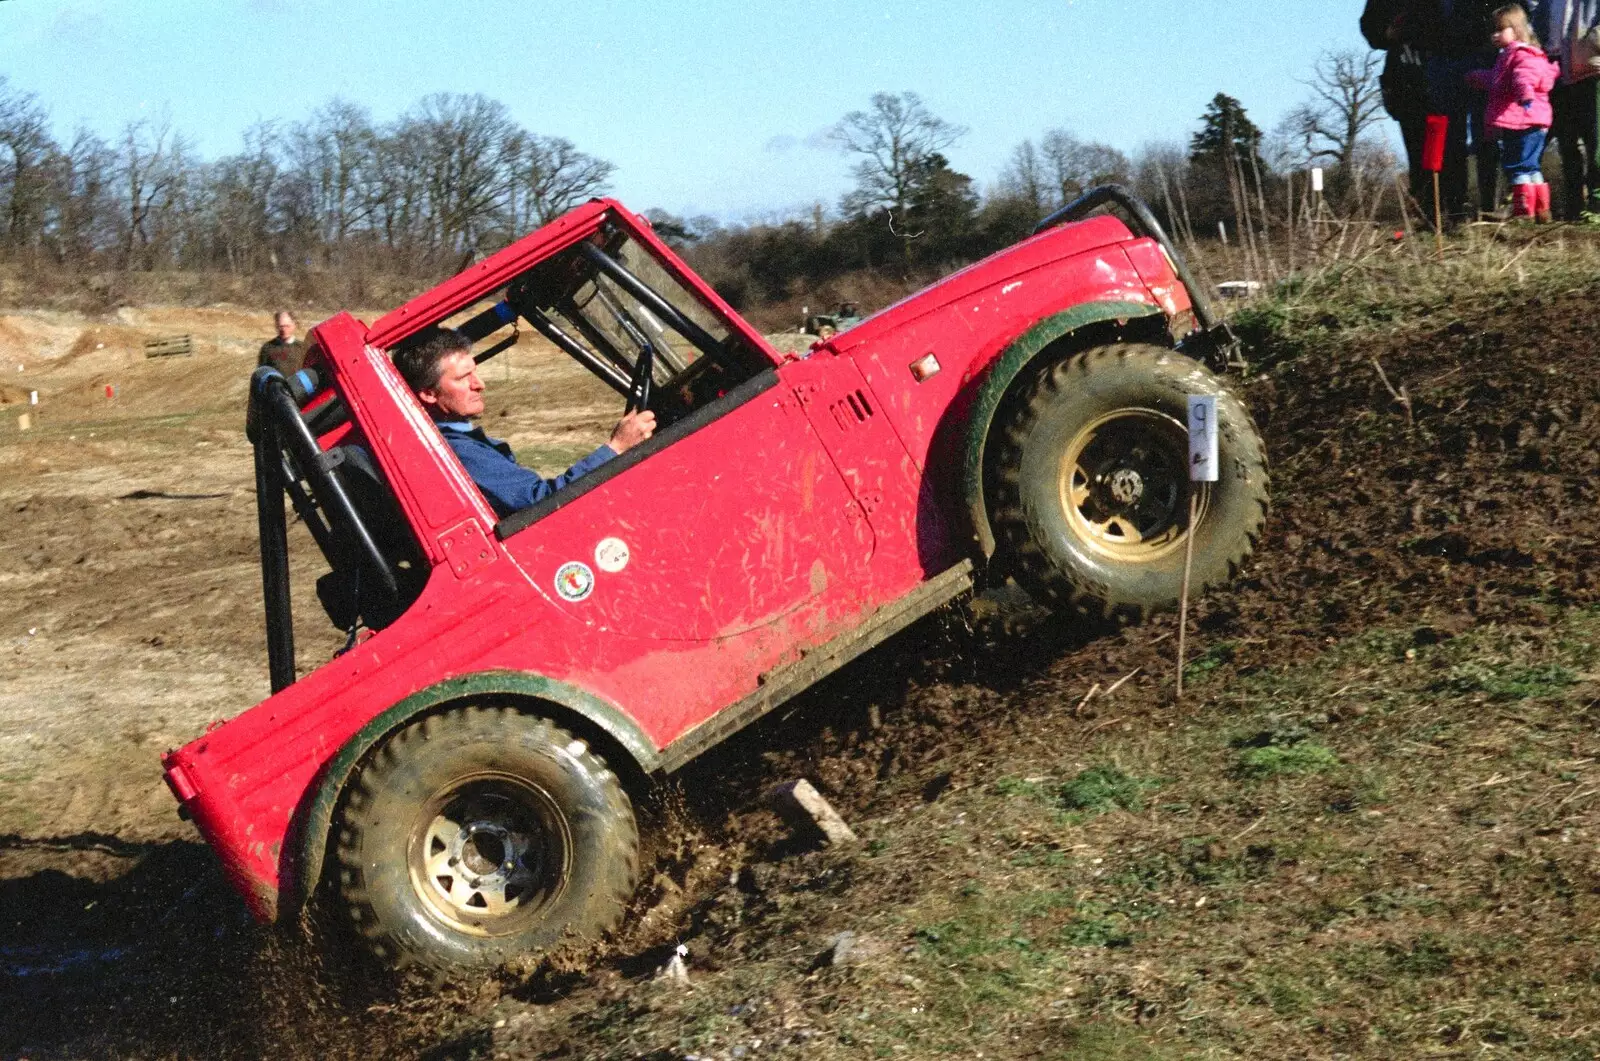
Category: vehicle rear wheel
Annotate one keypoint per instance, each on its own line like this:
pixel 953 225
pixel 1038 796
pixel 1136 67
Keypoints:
pixel 479 834
pixel 1090 482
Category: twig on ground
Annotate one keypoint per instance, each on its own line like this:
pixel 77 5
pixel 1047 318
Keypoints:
pixel 1400 395
pixel 1119 682
pixel 1247 830
pixel 1095 688
pixel 1515 258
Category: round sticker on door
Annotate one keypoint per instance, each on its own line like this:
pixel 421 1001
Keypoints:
pixel 611 555
pixel 574 581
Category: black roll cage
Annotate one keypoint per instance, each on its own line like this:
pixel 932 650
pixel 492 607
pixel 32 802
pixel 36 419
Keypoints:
pixel 283 445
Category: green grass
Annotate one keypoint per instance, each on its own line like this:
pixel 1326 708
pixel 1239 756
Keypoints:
pixel 1102 788
pixel 1394 885
pixel 1278 759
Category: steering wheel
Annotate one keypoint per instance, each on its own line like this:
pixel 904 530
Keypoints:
pixel 639 385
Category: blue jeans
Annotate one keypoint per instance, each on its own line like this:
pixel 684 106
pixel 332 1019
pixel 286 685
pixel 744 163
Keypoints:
pixel 1520 151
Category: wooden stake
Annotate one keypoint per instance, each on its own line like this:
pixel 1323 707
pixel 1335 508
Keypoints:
pixel 1438 216
pixel 1183 600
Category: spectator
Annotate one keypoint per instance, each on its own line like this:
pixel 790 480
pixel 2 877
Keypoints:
pixel 1454 38
pixel 1393 26
pixel 283 352
pixel 1518 114
pixel 1569 29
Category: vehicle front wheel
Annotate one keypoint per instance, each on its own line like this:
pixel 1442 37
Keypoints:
pixel 1090 484
pixel 480 834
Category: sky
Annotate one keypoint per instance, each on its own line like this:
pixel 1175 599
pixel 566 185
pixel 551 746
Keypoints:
pixel 710 107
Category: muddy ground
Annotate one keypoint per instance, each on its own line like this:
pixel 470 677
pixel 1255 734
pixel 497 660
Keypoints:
pixel 129 618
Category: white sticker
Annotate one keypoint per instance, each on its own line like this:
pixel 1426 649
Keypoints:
pixel 574 581
pixel 611 555
pixel 1202 438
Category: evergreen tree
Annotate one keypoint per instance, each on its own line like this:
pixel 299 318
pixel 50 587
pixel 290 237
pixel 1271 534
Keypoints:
pixel 1224 125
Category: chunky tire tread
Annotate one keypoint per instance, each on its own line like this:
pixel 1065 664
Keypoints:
pixel 612 863
pixel 1066 392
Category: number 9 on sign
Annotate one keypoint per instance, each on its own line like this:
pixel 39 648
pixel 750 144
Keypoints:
pixel 1203 438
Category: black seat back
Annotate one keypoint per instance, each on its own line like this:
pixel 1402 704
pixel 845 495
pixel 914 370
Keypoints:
pixel 352 591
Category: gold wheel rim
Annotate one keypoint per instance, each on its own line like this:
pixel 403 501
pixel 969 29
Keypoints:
pixel 1124 485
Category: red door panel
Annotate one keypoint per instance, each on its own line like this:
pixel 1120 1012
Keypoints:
pixel 724 531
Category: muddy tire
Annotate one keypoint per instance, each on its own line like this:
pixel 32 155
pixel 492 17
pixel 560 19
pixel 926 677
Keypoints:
pixel 1089 483
pixel 480 834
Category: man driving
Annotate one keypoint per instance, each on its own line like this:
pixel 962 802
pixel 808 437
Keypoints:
pixel 441 372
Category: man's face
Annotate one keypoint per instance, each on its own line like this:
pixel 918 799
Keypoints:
pixel 285 325
pixel 459 393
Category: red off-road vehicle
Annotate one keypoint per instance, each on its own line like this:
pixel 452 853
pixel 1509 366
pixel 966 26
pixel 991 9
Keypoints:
pixel 453 771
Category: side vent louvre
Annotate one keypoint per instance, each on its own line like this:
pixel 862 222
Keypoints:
pixel 853 408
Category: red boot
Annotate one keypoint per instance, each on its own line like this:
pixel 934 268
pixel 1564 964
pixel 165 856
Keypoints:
pixel 1524 200
pixel 1541 203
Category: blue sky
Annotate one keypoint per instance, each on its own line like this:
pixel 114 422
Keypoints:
pixel 714 107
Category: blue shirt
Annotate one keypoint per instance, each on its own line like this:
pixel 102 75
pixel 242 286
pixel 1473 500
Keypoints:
pixel 506 484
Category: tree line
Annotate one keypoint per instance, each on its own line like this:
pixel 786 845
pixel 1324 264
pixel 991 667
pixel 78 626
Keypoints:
pixel 454 177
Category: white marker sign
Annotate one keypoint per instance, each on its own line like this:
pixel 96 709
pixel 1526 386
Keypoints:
pixel 1316 178
pixel 1203 438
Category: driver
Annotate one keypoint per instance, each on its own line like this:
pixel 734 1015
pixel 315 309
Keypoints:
pixel 441 372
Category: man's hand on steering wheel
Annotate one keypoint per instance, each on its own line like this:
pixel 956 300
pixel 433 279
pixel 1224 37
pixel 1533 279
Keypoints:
pixel 631 430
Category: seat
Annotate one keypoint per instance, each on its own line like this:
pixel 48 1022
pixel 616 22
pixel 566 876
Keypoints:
pixel 353 593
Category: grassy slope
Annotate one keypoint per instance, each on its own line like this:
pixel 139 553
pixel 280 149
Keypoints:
pixel 1374 837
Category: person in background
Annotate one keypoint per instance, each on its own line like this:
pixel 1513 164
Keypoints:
pixel 1570 30
pixel 1393 26
pixel 1454 38
pixel 283 351
pixel 1518 112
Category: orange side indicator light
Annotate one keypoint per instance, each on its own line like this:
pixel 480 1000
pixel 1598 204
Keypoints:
pixel 923 367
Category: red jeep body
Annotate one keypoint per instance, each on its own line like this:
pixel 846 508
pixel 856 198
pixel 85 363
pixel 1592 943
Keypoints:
pixel 687 587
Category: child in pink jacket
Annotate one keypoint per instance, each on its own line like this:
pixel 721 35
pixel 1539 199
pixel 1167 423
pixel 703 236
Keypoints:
pixel 1518 113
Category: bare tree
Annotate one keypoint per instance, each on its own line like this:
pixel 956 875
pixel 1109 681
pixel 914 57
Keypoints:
pixel 1023 180
pixel 244 201
pixel 552 176
pixel 81 213
pixel 1329 127
pixel 1160 176
pixel 332 157
pixel 1074 166
pixel 24 178
pixel 151 162
pixel 897 139
pixel 464 146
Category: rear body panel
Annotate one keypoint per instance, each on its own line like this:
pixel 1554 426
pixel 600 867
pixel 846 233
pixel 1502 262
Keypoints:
pixel 820 496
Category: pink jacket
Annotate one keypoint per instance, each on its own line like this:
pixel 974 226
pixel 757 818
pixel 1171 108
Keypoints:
pixel 1519 88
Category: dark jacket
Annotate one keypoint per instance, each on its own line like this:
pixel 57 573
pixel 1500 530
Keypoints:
pixel 1454 29
pixel 1404 86
pixel 287 357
